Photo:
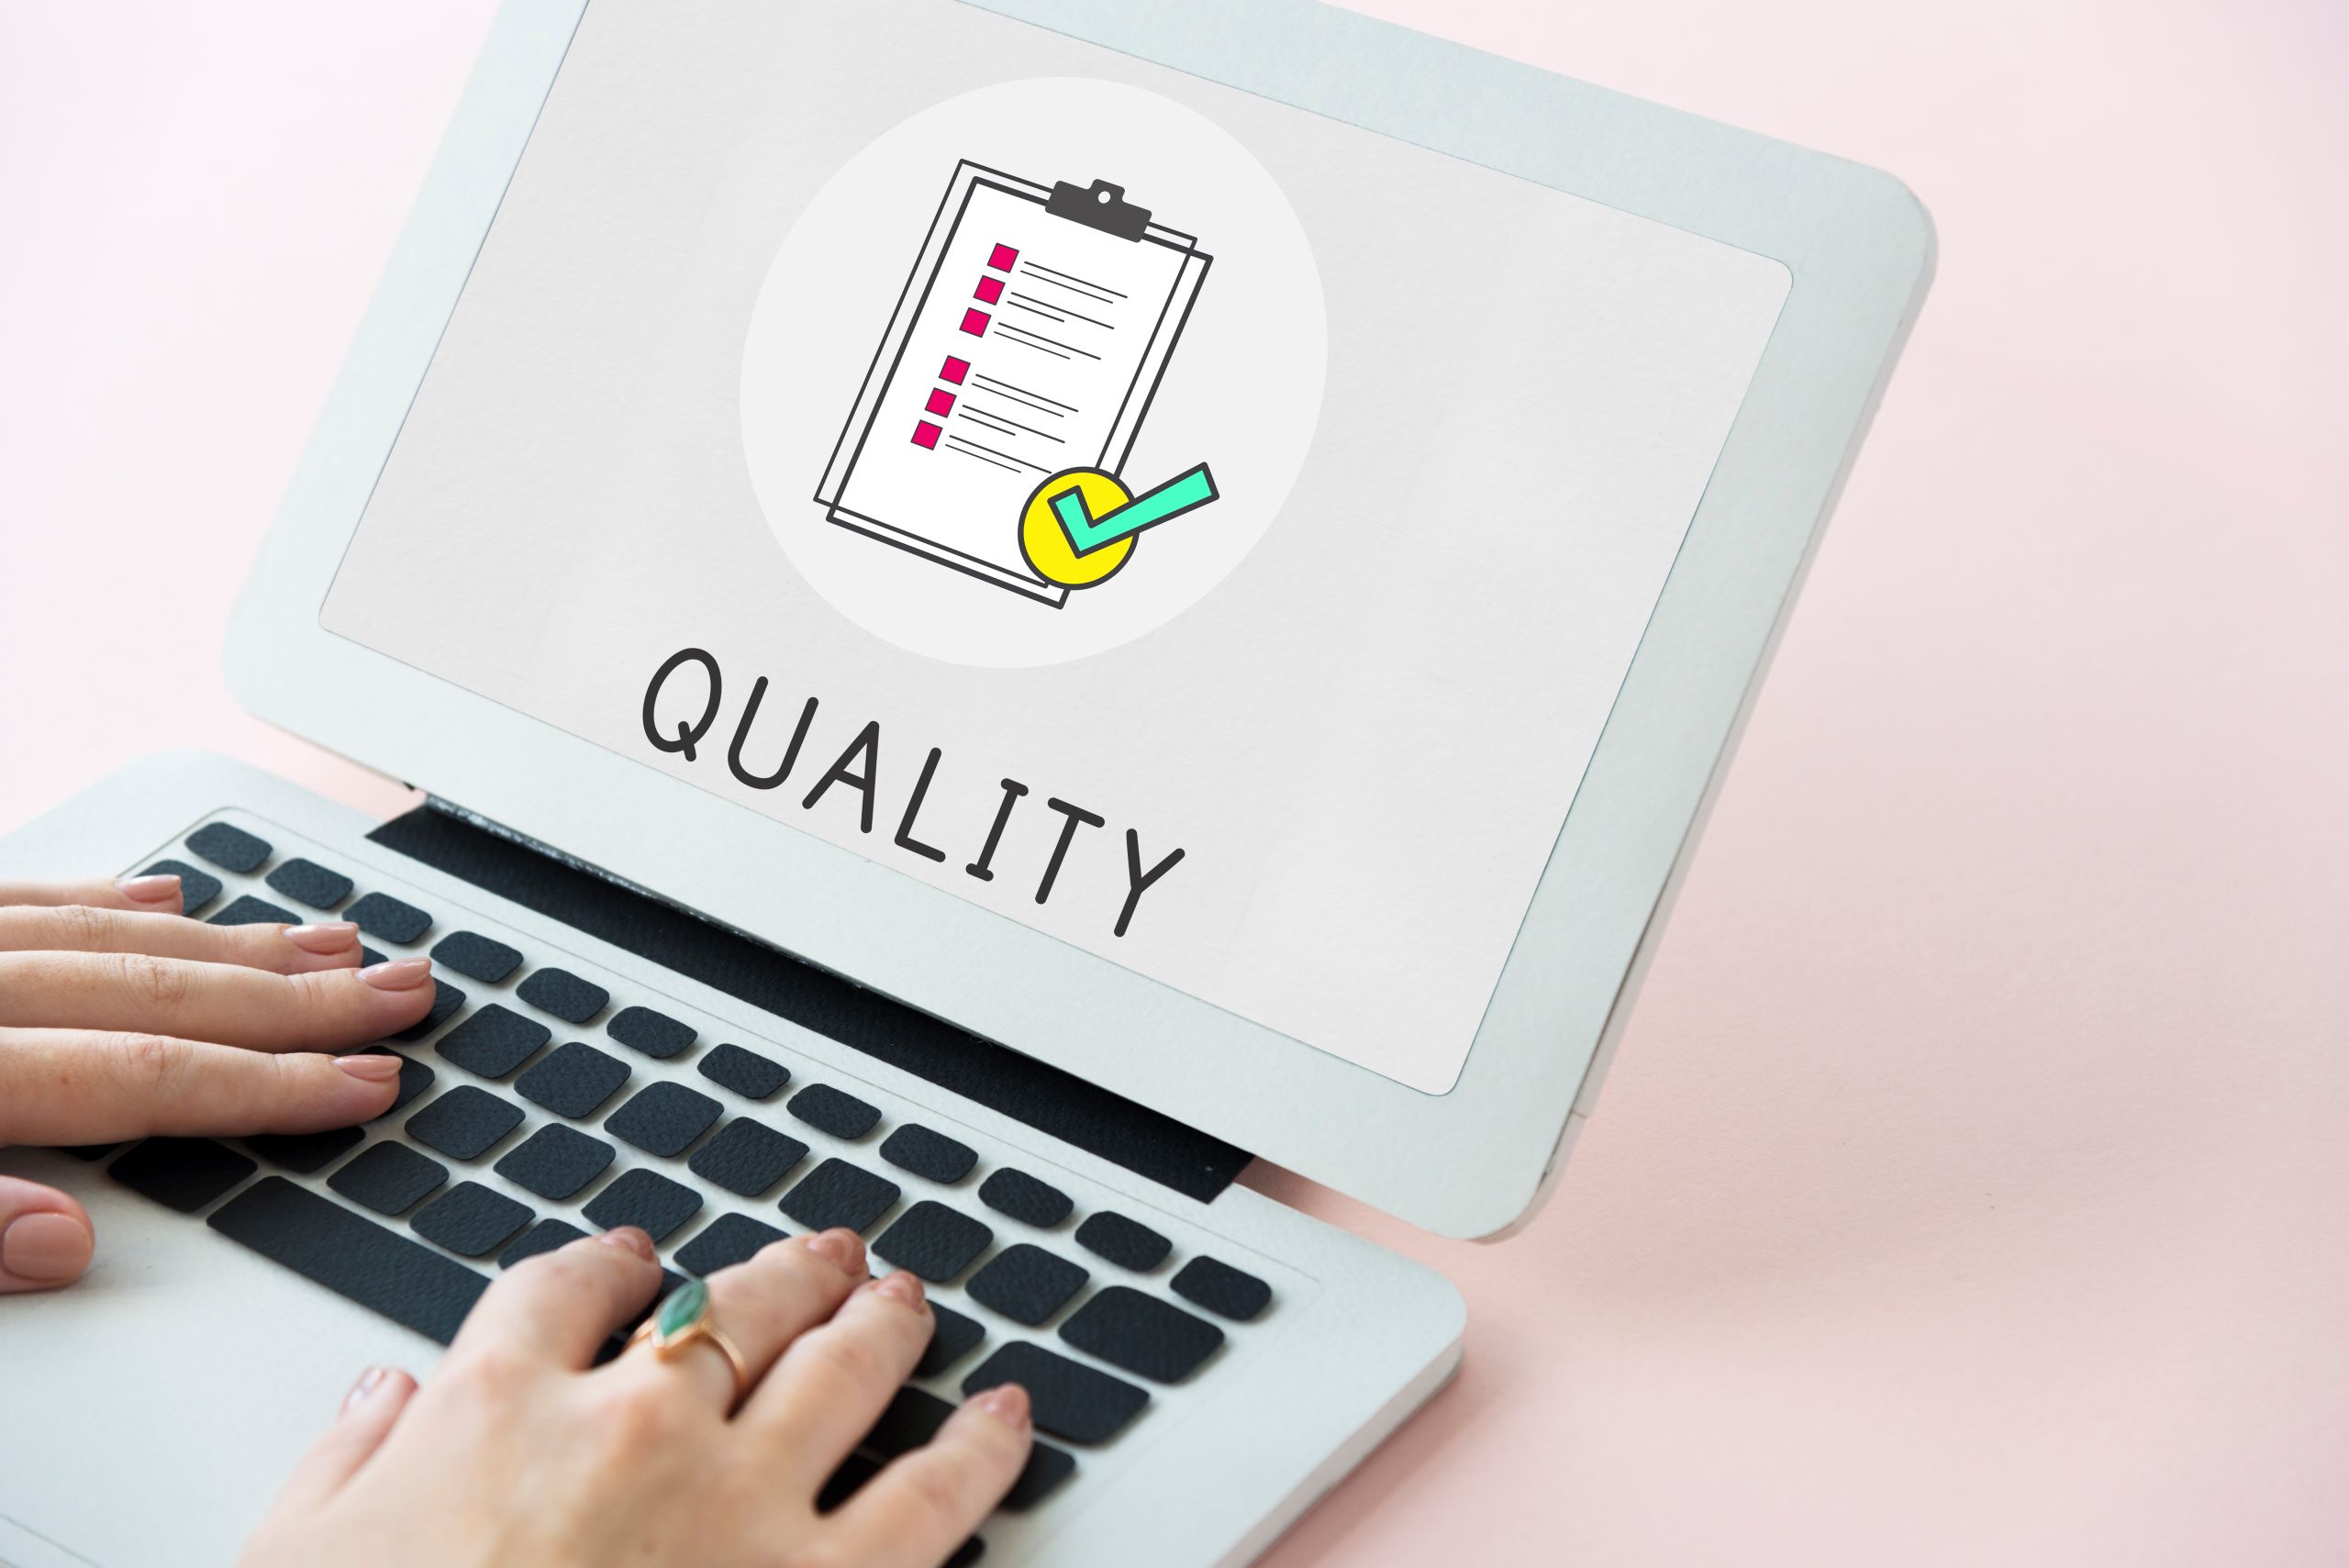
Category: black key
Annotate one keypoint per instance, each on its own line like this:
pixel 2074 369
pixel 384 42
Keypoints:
pixel 1125 1243
pixel 464 1122
pixel 247 910
pixel 926 1153
pixel 564 994
pixel 93 1153
pixel 1071 1400
pixel 1222 1289
pixel 645 1198
pixel 471 1220
pixel 729 1240
pixel 837 1192
pixel 305 1154
pixel 827 1109
pixel 1026 1284
pixel 543 1237
pixel 414 1077
pixel 574 1079
pixel 368 957
pixel 747 1157
pixel 184 1173
pixel 352 1256
pixel 953 1337
pixel 308 882
pixel 198 888
pixel 970 1551
pixel 1046 1468
pixel 1141 1334
pixel 555 1161
pixel 494 1042
pixel 746 1073
pixel 476 957
pixel 390 1178
pixel 230 848
pixel 845 1483
pixel 657 1035
pixel 1022 1197
pixel 932 1240
pixel 663 1117
pixel 380 915
pixel 670 1280
pixel 445 999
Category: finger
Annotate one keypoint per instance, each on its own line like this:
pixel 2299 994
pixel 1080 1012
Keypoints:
pixel 367 1414
pixel 82 928
pixel 324 1010
pixel 563 1305
pixel 762 1305
pixel 157 895
pixel 923 1503
pixel 45 1237
pixel 834 1380
pixel 69 1087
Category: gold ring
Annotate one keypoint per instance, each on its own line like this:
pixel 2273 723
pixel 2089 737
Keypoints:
pixel 686 1318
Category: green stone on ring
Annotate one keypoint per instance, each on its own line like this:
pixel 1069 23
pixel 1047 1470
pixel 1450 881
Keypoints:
pixel 686 1305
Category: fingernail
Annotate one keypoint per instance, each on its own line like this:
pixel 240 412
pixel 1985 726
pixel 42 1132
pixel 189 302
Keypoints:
pixel 150 889
pixel 44 1246
pixel 844 1250
pixel 370 1067
pixel 902 1288
pixel 629 1239
pixel 1007 1403
pixel 328 935
pixel 397 973
pixel 364 1389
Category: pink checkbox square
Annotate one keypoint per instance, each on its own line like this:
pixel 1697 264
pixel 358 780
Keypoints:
pixel 926 434
pixel 941 402
pixel 989 290
pixel 954 370
pixel 975 322
pixel 1003 258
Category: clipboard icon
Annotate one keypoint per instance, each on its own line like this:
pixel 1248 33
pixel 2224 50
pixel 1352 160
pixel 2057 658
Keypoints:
pixel 1030 339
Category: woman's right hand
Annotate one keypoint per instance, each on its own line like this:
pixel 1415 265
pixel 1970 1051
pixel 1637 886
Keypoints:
pixel 120 1019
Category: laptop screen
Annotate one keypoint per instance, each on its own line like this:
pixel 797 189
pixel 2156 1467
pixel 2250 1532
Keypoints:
pixel 1206 533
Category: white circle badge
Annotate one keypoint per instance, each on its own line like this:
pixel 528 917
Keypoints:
pixel 1033 372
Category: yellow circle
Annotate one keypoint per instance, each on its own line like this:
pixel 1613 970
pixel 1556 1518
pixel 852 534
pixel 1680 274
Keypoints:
pixel 1046 544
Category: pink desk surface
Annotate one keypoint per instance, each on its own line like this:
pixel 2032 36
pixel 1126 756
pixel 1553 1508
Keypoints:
pixel 1971 1188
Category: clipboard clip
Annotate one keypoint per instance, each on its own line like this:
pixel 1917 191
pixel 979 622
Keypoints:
pixel 1104 206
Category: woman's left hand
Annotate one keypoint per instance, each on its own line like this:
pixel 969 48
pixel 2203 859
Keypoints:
pixel 120 1019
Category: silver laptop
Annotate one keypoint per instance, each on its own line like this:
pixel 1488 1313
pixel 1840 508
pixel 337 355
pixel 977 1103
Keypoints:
pixel 1004 609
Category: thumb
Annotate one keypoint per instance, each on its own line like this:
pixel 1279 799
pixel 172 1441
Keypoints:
pixel 369 1412
pixel 45 1237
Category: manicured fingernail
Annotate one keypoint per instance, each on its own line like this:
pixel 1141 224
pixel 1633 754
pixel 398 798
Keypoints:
pixel 150 889
pixel 1007 1403
pixel 397 973
pixel 629 1239
pixel 44 1246
pixel 369 1382
pixel 902 1288
pixel 844 1250
pixel 370 1067
pixel 328 935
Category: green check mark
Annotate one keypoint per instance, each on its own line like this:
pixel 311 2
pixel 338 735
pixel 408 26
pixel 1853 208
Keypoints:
pixel 1186 492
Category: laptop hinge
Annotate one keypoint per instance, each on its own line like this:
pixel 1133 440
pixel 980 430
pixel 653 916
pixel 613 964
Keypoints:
pixel 445 835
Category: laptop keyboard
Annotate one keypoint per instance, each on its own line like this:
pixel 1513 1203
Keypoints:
pixel 525 1120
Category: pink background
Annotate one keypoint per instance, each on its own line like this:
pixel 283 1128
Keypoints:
pixel 1971 1186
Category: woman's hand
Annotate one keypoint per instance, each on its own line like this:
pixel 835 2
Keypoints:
pixel 120 1019
pixel 519 1453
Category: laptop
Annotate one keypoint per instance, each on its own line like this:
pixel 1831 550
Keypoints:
pixel 1003 609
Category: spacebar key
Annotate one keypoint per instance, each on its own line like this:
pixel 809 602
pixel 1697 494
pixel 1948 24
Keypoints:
pixel 381 1269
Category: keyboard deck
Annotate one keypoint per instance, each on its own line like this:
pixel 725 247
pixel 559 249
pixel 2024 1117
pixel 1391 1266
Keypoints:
pixel 540 1099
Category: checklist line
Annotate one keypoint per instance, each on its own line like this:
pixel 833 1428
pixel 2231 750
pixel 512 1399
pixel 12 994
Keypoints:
pixel 954 444
pixel 990 451
pixel 1006 419
pixel 1024 394
pixel 1019 332
pixel 1070 280
pixel 1032 303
